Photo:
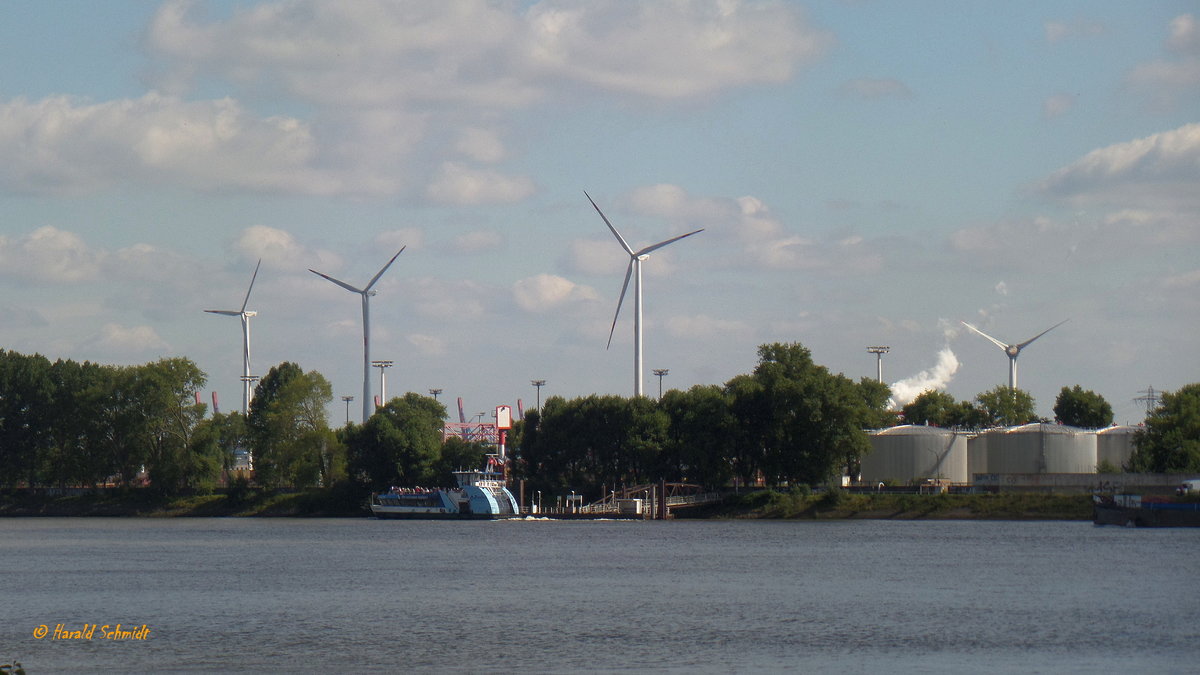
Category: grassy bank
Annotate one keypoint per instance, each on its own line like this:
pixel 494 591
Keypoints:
pixel 311 503
pixel 838 504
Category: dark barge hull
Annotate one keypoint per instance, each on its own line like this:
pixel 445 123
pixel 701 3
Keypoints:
pixel 1160 515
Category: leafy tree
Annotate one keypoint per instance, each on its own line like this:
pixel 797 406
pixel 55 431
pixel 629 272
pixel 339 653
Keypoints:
pixel 804 424
pixel 76 452
pixel 699 436
pixel 457 454
pixel 875 395
pixel 1170 442
pixel 289 431
pixel 26 395
pixel 1002 406
pixel 400 444
pixel 593 443
pixel 1079 408
pixel 168 418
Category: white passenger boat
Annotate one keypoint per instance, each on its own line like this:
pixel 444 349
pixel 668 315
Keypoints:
pixel 480 494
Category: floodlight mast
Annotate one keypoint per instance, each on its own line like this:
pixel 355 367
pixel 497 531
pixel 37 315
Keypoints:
pixel 634 270
pixel 879 352
pixel 366 294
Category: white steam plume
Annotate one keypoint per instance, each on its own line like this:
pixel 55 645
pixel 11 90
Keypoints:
pixel 937 377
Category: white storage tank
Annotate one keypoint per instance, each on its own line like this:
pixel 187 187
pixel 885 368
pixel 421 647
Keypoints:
pixel 1115 445
pixel 908 452
pixel 976 455
pixel 1041 448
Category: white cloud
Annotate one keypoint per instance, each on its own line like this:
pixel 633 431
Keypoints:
pixel 480 145
pixel 443 300
pixel 1168 81
pixel 1160 170
pixel 428 345
pixel 1057 31
pixel 116 340
pixel 278 249
pixel 64 145
pixel 456 183
pixel 671 50
pixel 543 292
pixel 408 238
pixel 477 241
pixel 1185 35
pixel 1057 105
pixel 704 327
pixel 49 254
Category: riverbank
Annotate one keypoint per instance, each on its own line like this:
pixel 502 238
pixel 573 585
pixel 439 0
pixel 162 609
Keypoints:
pixel 141 504
pixel 763 504
pixel 840 505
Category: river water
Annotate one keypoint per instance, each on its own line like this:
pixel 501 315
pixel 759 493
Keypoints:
pixel 363 595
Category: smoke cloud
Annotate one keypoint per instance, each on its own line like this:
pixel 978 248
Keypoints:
pixel 937 377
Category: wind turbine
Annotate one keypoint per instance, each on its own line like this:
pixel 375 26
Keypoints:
pixel 635 270
pixel 1013 350
pixel 366 294
pixel 245 316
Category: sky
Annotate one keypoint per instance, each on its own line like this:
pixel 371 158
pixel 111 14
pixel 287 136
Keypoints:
pixel 866 173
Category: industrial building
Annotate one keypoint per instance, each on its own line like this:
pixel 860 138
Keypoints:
pixel 909 453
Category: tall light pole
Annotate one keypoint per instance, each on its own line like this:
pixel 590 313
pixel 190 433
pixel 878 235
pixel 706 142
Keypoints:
pixel 434 393
pixel 347 399
pixel 382 366
pixel 660 372
pixel 539 384
pixel 879 352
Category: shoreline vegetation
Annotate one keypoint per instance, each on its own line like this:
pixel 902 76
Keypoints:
pixel 757 505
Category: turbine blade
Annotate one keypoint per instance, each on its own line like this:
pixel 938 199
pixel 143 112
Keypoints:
pixel 338 282
pixel 384 269
pixel 624 287
pixel 661 244
pixel 1022 345
pixel 225 312
pixel 998 343
pixel 252 278
pixel 610 225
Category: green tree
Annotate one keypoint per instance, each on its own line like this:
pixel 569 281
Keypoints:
pixel 939 409
pixel 399 445
pixel 699 436
pixel 1079 408
pixel 1170 441
pixel 167 390
pixel 455 455
pixel 805 424
pixel 26 410
pixel 289 432
pixel 1002 406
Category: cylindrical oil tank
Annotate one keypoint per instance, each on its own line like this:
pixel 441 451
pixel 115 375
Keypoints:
pixel 908 452
pixel 1115 445
pixel 976 456
pixel 1041 448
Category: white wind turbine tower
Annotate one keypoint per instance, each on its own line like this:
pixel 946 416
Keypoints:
pixel 366 294
pixel 245 316
pixel 1013 350
pixel 635 270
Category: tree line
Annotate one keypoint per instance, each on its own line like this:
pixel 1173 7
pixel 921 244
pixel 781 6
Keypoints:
pixel 65 423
